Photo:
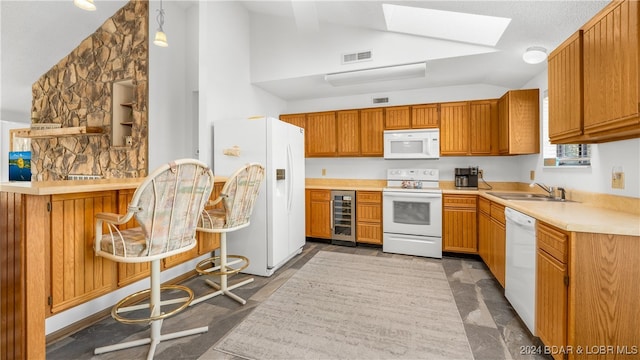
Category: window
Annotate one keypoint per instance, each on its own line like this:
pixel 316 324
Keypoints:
pixel 565 154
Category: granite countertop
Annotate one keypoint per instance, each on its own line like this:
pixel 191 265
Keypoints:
pixel 74 186
pixel 585 217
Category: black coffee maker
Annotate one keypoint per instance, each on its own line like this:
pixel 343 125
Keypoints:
pixel 466 178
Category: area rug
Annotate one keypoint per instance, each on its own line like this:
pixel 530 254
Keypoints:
pixel 343 306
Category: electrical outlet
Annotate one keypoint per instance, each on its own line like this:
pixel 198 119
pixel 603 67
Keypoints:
pixel 480 173
pixel 324 172
pixel 532 175
pixel 617 180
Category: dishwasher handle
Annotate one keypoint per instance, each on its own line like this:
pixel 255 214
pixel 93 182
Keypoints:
pixel 519 218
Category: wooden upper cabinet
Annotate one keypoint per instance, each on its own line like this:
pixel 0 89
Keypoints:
pixel 397 117
pixel 454 128
pixel 371 132
pixel 483 127
pixel 519 122
pixel 425 116
pixel 611 74
pixel 298 120
pixel 321 134
pixel 348 132
pixel 565 90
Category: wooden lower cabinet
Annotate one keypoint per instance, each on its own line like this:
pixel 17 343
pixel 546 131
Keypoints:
pixel 320 214
pixel 587 287
pixel 484 229
pixel 77 274
pixel 551 287
pixel 459 223
pixel 369 217
pixel 492 236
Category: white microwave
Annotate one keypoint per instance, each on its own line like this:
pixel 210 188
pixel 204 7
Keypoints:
pixel 412 144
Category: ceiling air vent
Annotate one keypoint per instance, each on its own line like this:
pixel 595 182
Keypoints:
pixel 357 57
pixel 380 100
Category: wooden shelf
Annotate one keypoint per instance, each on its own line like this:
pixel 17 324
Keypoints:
pixel 65 131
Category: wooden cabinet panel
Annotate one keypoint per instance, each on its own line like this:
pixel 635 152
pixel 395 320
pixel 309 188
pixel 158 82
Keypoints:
pixel 459 223
pixel 369 217
pixel 454 128
pixel 484 236
pixel 320 214
pixel 498 247
pixel 397 117
pixel 348 132
pixel 611 71
pixel 483 127
pixel 425 116
pixel 307 212
pixel 298 120
pixel 519 122
pixel 321 134
pixel 371 132
pixel 552 294
pixel 551 302
pixel 565 90
pixel 77 274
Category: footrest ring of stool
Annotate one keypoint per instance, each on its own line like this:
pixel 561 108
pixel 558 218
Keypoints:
pixel 119 305
pixel 229 271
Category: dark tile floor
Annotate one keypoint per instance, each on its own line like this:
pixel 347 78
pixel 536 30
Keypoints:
pixel 493 329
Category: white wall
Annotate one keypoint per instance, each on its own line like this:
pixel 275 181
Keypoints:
pixel 596 178
pixel 169 94
pixel 225 89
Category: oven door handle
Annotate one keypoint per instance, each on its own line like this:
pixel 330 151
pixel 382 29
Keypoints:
pixel 412 195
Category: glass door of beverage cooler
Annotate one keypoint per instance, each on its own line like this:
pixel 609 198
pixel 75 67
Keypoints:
pixel 343 213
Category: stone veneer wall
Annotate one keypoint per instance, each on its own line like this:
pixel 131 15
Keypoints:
pixel 78 92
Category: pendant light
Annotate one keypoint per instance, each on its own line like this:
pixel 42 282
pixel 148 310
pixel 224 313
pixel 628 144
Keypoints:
pixel 85 4
pixel 161 37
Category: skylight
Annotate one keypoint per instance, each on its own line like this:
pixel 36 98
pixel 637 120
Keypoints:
pixel 448 25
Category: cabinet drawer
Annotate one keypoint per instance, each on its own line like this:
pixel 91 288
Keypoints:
pixel 484 205
pixel 369 196
pixel 497 213
pixel 553 241
pixel 460 201
pixel 320 195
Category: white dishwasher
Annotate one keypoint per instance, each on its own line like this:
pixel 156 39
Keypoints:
pixel 520 276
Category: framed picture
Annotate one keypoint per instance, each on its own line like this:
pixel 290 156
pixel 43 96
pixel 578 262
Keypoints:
pixel 20 166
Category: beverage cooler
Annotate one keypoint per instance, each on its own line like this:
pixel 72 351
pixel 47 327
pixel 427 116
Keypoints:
pixel 343 214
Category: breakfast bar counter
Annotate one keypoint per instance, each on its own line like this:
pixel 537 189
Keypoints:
pixel 47 263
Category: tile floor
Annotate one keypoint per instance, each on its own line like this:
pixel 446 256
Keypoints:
pixel 494 330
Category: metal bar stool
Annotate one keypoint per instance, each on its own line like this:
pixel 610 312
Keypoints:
pixel 166 206
pixel 238 197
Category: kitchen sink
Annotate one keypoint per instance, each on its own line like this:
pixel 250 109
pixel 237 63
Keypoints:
pixel 526 197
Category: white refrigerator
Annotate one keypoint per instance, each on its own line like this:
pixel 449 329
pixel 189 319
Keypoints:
pixel 277 230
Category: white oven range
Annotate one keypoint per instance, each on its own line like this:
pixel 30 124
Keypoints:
pixel 412 213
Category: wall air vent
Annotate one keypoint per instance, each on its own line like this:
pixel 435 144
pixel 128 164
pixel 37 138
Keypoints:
pixel 380 100
pixel 357 57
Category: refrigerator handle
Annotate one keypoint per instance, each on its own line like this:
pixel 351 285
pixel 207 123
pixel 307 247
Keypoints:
pixel 290 180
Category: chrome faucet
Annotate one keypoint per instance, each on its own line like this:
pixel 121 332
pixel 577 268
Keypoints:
pixel 549 189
